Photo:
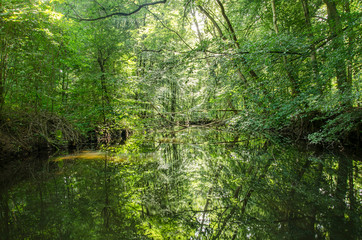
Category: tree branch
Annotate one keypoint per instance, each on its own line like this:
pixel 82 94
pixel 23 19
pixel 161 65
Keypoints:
pixel 117 13
pixel 322 42
pixel 103 8
pixel 216 54
pixel 230 27
pixel 213 21
pixel 235 39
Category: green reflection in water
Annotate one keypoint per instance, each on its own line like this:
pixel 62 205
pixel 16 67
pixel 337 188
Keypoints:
pixel 191 184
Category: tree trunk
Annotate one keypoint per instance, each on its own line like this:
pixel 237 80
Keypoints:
pixel 2 87
pixel 236 42
pixel 213 21
pixel 3 60
pixel 335 26
pixel 103 79
pixel 292 78
pixel 313 53
pixel 105 96
pixel 173 99
pixel 350 47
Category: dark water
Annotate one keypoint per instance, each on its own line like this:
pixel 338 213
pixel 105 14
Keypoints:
pixel 191 184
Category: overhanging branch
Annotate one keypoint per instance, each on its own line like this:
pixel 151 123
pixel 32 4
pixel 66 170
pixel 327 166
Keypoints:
pixel 124 14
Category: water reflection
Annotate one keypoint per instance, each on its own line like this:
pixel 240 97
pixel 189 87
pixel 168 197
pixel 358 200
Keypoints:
pixel 196 184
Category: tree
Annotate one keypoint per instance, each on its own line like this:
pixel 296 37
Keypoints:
pixel 335 26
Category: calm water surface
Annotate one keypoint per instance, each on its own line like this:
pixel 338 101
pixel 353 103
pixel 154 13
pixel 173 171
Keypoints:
pixel 190 184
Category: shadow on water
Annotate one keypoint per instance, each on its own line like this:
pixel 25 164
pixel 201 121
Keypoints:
pixel 192 184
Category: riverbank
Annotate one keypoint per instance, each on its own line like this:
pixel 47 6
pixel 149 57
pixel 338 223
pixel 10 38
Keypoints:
pixel 340 129
pixel 27 132
pixel 30 132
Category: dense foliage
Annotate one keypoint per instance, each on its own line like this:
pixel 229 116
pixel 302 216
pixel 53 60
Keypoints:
pixel 261 65
pixel 98 70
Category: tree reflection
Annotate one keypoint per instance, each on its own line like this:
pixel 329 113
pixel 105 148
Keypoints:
pixel 199 184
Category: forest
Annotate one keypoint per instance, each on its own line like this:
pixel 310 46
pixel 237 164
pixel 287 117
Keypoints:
pixel 180 119
pixel 288 68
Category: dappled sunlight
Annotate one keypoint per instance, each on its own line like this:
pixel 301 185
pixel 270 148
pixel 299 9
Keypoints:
pixel 92 155
pixel 197 119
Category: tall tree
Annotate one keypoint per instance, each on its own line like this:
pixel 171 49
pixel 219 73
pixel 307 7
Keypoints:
pixel 338 45
pixel 291 73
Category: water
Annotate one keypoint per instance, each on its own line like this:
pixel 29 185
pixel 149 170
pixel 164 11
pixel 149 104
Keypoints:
pixel 190 184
